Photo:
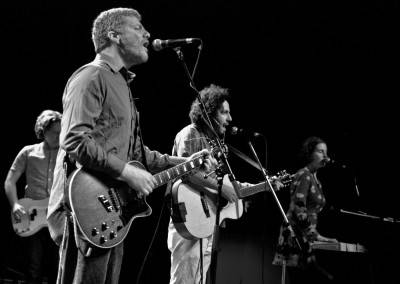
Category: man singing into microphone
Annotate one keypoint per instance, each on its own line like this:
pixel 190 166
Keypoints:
pixel 100 132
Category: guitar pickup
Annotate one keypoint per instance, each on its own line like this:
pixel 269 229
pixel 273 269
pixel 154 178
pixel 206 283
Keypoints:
pixel 33 214
pixel 106 203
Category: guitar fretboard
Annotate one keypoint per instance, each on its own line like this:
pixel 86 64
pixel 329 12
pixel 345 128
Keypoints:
pixel 178 170
pixel 250 190
pixel 344 247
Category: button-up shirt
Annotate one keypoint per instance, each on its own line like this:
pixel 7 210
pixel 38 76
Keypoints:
pixel 99 126
pixel 37 161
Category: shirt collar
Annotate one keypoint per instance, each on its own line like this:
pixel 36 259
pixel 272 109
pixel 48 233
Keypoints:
pixel 116 68
pixel 47 147
pixel 128 75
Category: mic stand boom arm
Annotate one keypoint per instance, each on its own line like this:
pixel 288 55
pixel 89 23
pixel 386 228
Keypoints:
pixel 220 173
pixel 204 113
pixel 286 220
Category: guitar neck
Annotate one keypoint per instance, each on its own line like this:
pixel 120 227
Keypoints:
pixel 344 247
pixel 284 179
pixel 250 190
pixel 178 171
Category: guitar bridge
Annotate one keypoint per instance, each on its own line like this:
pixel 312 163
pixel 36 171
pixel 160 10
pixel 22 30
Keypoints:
pixel 114 199
pixel 106 203
pixel 206 209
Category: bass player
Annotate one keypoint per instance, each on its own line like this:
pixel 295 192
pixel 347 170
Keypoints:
pixel 37 162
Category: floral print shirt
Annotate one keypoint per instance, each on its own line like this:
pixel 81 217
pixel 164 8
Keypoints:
pixel 307 200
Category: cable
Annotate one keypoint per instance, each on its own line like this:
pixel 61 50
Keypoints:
pixel 151 243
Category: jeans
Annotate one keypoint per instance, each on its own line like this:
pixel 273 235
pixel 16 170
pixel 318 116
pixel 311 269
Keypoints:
pixel 101 266
pixel 42 257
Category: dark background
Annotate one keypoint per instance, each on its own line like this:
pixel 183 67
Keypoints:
pixel 294 68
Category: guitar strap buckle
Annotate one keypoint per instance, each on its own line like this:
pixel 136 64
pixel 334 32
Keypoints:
pixel 68 165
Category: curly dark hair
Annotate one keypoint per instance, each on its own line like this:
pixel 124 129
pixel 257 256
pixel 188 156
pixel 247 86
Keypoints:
pixel 213 97
pixel 308 147
pixel 44 121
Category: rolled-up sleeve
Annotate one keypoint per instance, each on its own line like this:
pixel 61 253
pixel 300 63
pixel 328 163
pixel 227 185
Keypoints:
pixel 158 162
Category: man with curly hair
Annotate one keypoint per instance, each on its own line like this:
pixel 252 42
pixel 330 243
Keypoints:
pixel 37 162
pixel 191 257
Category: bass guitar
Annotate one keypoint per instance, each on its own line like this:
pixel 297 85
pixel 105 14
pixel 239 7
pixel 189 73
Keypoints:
pixel 104 208
pixel 33 220
pixel 194 211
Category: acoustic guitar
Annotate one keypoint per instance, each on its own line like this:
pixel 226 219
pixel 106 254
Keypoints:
pixel 194 211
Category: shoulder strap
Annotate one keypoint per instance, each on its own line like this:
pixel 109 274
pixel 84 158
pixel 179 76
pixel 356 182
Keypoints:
pixel 68 166
pixel 139 133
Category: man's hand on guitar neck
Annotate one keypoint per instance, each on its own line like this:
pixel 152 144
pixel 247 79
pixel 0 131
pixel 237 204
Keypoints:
pixel 277 185
pixel 320 238
pixel 144 182
pixel 209 162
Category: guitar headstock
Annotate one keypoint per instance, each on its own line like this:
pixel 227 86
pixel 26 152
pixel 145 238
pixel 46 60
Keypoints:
pixel 281 179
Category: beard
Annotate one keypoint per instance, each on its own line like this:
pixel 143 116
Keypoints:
pixel 134 55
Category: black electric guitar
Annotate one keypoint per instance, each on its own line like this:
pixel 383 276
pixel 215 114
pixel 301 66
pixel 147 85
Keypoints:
pixel 104 208
pixel 194 210
pixel 33 220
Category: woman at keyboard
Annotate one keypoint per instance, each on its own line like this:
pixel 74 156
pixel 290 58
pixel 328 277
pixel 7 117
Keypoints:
pixel 307 201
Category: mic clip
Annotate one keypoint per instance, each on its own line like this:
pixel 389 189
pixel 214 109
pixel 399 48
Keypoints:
pixel 242 132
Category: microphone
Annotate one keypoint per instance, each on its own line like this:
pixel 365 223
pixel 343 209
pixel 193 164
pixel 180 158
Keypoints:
pixel 240 131
pixel 329 161
pixel 159 44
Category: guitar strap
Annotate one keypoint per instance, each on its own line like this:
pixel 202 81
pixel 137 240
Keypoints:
pixel 243 157
pixel 139 134
pixel 129 76
pixel 68 167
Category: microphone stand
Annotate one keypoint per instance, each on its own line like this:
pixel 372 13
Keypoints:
pixel 286 220
pixel 220 173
